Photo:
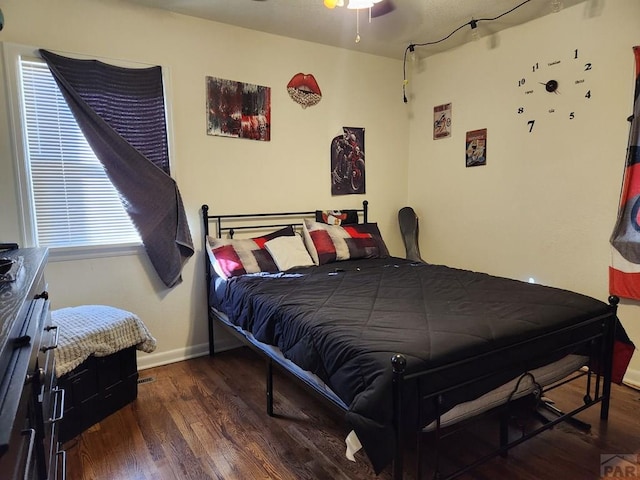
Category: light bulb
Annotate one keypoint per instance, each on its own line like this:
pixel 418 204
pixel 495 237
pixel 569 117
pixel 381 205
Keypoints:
pixel 358 4
pixel 330 3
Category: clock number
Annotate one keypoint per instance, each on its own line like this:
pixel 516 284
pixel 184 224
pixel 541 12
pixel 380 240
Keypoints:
pixel 520 110
pixel 535 67
pixel 588 94
pixel 521 82
pixel 530 123
pixel 575 53
pixel 587 67
pixel 572 115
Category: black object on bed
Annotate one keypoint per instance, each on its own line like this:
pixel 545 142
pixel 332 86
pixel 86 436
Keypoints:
pixel 402 342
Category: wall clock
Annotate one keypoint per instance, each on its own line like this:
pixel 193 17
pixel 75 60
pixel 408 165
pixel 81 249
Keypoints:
pixel 558 88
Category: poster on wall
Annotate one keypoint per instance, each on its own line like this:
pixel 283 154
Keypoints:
pixel 304 90
pixel 442 121
pixel 238 110
pixel 347 162
pixel 476 148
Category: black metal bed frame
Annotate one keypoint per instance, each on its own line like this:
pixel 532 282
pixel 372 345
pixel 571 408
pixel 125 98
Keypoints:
pixel 597 390
pixel 597 373
pixel 295 218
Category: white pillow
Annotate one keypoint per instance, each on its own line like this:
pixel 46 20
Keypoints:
pixel 311 249
pixel 288 252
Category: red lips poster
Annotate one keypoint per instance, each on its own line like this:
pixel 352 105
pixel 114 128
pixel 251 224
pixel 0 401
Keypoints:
pixel 304 90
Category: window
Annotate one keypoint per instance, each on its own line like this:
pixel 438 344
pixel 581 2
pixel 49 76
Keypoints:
pixel 74 202
pixel 67 198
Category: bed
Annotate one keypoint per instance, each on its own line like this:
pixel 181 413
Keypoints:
pixel 401 347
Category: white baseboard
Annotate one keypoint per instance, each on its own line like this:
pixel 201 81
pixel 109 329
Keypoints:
pixel 632 378
pixel 150 360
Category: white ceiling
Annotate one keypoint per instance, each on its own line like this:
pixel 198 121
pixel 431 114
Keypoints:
pixel 412 21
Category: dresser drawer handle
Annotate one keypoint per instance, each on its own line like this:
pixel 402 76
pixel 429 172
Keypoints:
pixel 55 342
pixel 59 393
pixel 32 436
pixel 63 454
pixel 21 341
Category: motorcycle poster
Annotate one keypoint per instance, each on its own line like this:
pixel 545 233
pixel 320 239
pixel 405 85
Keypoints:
pixel 347 162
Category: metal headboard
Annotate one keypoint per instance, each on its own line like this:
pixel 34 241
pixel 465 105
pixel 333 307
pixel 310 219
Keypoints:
pixel 255 219
pixel 271 220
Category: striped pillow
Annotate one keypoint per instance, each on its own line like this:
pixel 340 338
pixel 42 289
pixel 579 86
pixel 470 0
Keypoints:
pixel 233 257
pixel 332 243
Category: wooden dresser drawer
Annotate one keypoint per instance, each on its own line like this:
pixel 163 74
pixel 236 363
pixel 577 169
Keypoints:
pixel 30 402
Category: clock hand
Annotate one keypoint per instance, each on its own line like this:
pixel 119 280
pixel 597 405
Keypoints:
pixel 551 86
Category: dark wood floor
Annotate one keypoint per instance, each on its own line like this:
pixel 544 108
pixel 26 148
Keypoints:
pixel 205 418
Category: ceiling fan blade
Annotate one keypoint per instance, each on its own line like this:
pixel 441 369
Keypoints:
pixel 382 8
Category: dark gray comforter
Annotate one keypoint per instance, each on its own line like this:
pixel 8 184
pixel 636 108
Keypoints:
pixel 344 321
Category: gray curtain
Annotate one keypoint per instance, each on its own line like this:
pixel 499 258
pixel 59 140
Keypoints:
pixel 121 113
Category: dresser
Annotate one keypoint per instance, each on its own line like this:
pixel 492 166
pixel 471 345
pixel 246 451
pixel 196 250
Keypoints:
pixel 31 404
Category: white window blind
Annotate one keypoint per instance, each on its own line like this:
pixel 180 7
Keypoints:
pixel 74 202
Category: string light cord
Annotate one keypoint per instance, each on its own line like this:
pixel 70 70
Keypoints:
pixel 473 24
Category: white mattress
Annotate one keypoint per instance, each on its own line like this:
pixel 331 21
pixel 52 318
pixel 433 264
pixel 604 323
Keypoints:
pixel 544 376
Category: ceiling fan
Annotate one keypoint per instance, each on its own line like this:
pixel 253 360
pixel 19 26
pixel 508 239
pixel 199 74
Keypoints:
pixel 377 8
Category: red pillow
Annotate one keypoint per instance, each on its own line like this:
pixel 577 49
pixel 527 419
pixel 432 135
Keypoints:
pixel 232 257
pixel 332 243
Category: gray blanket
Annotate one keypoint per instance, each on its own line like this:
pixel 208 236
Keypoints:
pixel 150 195
pixel 96 330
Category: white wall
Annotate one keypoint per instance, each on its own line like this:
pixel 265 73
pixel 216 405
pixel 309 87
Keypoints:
pixel 231 175
pixel 545 204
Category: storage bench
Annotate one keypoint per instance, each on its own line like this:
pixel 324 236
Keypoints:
pixel 96 363
pixel 96 388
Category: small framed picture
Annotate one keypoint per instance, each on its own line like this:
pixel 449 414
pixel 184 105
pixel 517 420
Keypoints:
pixel 442 121
pixel 476 148
pixel 238 109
